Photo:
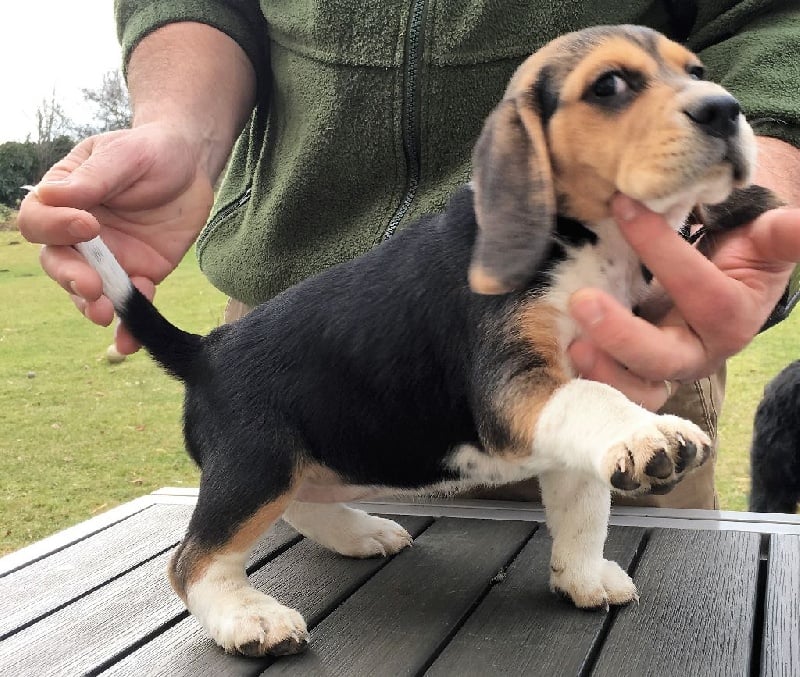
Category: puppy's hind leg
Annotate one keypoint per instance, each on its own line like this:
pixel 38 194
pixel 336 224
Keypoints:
pixel 208 568
pixel 346 530
pixel 577 506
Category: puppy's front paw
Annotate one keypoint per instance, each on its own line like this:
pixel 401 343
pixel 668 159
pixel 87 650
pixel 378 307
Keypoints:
pixel 253 624
pixel 596 587
pixel 656 456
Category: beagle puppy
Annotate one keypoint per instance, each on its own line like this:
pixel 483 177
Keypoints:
pixel 436 362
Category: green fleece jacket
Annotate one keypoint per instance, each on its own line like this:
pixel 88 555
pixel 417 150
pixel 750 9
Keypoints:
pixel 368 109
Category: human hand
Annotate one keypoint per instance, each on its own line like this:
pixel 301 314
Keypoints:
pixel 719 303
pixel 142 190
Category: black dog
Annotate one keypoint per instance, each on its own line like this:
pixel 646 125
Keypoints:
pixel 775 453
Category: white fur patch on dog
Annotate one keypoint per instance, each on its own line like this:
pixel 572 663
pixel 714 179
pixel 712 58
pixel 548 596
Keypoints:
pixel 240 618
pixel 578 506
pixel 116 283
pixel 345 530
pixel 595 429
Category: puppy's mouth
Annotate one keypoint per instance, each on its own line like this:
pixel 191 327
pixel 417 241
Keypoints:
pixel 729 167
pixel 733 162
pixel 739 166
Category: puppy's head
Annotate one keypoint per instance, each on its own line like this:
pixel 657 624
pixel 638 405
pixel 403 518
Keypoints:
pixel 604 110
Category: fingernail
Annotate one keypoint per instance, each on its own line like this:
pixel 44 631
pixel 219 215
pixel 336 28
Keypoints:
pixel 56 182
pixel 587 311
pixel 625 209
pixel 74 288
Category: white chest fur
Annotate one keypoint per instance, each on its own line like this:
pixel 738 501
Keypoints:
pixel 609 265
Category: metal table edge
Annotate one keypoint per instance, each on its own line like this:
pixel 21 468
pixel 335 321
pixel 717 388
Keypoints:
pixel 713 520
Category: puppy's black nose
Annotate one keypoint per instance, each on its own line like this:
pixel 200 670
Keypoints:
pixel 716 115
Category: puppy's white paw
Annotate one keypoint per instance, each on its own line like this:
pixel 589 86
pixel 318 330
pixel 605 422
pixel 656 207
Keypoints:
pixel 619 587
pixel 345 530
pixel 366 535
pixel 656 456
pixel 596 587
pixel 253 624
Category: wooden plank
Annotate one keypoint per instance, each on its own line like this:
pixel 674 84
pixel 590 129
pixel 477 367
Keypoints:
pixel 307 577
pixel 399 618
pixel 107 622
pixel 780 649
pixel 54 581
pixel 697 609
pixel 522 628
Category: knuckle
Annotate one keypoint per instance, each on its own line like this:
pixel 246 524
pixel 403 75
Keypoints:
pixel 26 224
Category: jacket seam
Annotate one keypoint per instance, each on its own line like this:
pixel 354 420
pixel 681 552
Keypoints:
pixel 707 410
pixel 476 58
pixel 324 57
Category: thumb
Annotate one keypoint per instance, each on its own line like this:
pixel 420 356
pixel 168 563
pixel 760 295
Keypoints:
pixel 774 234
pixel 92 173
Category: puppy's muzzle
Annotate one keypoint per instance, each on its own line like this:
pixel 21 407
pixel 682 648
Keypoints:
pixel 717 116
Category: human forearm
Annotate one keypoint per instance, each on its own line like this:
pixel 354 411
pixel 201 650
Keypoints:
pixel 197 79
pixel 778 167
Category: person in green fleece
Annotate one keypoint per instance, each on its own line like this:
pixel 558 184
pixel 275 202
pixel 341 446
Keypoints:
pixel 345 120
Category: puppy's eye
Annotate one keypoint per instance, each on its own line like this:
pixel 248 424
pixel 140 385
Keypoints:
pixel 696 72
pixel 609 84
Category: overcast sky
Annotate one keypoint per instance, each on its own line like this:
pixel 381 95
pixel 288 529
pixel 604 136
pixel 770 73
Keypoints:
pixel 47 45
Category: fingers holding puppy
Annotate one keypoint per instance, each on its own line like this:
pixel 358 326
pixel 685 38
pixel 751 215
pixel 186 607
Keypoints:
pixel 719 303
pixel 592 363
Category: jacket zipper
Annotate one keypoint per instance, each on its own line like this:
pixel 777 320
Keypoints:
pixel 410 114
pixel 221 215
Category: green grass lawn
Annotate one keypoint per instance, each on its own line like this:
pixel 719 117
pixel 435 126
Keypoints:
pixel 748 373
pixel 79 435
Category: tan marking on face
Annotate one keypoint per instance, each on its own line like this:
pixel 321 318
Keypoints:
pixel 536 324
pixel 591 144
pixel 676 55
pixel 614 54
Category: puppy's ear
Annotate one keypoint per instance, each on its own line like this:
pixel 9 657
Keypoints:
pixel 514 199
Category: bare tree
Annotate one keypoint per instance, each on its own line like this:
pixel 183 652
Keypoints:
pixel 51 121
pixel 111 103
pixel 53 139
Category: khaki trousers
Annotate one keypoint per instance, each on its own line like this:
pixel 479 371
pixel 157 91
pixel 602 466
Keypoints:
pixel 700 401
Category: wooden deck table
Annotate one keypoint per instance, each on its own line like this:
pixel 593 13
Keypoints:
pixel 720 595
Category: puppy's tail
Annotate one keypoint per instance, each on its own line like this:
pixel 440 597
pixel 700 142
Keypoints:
pixel 177 351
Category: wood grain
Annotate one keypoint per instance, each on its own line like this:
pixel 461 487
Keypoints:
pixel 522 628
pixel 307 577
pixel 108 621
pixel 395 623
pixel 54 581
pixel 780 651
pixel 697 609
